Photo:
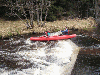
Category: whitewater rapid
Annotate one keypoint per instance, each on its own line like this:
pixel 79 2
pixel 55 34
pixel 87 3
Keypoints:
pixel 42 58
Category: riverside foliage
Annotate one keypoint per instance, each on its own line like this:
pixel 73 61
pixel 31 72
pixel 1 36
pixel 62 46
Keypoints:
pixel 59 9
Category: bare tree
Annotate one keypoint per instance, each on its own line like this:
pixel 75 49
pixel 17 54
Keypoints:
pixel 37 11
pixel 47 5
pixel 33 6
pixel 31 12
pixel 42 6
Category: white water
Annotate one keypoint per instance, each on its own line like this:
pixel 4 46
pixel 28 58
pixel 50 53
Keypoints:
pixel 45 60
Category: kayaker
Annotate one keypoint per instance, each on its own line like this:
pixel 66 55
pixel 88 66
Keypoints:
pixel 65 32
pixel 47 33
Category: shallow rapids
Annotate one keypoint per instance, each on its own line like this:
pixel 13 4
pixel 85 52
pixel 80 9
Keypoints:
pixel 25 57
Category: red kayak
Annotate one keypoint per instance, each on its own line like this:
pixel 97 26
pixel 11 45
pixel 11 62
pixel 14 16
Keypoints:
pixel 61 37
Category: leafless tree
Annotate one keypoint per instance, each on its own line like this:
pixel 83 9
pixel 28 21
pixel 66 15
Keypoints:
pixel 33 6
pixel 41 7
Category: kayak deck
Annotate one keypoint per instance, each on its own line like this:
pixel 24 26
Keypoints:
pixel 43 38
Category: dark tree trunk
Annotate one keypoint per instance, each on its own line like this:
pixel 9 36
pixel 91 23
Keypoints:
pixel 31 15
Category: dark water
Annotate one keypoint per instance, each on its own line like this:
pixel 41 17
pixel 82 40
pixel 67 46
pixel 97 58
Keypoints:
pixel 88 59
pixel 87 64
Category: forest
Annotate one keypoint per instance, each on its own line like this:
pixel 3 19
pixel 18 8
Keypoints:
pixel 29 16
pixel 58 8
pixel 46 10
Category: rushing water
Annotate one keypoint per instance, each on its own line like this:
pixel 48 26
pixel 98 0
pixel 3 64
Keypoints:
pixel 20 56
pixel 88 60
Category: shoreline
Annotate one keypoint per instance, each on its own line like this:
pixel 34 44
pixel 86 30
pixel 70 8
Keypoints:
pixel 13 28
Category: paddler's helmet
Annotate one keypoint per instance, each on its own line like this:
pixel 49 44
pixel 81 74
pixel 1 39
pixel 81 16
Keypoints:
pixel 48 31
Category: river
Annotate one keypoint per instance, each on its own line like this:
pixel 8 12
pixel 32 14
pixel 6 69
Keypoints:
pixel 20 56
pixel 88 59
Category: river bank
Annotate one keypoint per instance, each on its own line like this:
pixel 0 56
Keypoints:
pixel 11 28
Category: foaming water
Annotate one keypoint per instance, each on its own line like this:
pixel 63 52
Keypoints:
pixel 40 58
pixel 56 33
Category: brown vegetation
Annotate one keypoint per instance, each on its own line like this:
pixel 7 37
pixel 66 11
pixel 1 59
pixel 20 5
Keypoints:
pixel 10 28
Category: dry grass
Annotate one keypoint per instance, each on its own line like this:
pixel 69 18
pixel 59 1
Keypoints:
pixel 72 23
pixel 8 28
